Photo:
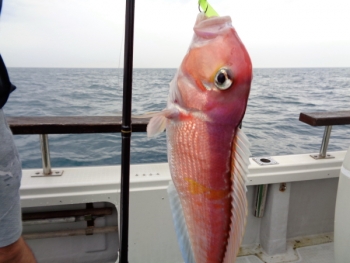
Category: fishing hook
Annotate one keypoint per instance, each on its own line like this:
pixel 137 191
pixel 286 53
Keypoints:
pixel 199 8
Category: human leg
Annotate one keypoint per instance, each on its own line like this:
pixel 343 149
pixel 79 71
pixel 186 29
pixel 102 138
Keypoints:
pixel 17 252
pixel 12 246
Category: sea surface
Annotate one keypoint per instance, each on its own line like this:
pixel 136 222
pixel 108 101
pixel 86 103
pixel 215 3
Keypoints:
pixel 271 121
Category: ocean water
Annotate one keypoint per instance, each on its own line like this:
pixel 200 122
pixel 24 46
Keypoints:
pixel 271 121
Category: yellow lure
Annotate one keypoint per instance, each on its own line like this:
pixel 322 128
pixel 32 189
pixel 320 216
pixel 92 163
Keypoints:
pixel 207 8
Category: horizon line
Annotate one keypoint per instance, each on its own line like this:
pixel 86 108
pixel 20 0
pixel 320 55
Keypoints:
pixel 166 67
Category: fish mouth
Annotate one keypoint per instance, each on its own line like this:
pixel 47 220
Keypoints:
pixel 211 27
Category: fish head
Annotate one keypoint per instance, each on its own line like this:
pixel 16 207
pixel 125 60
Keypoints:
pixel 215 75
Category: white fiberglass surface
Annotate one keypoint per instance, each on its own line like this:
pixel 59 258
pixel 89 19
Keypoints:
pixel 323 253
pixel 248 259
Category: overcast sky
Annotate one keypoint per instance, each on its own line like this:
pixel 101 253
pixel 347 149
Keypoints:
pixel 89 33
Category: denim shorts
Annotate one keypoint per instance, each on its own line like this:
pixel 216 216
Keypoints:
pixel 10 180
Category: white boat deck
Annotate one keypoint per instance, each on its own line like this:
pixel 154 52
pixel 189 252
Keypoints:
pixel 323 253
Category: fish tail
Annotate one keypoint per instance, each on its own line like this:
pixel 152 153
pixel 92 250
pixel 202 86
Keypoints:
pixel 180 225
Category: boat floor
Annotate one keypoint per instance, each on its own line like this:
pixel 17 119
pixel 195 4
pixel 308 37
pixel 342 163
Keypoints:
pixel 323 253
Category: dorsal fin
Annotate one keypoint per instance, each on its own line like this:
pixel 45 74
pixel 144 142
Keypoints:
pixel 239 169
pixel 183 238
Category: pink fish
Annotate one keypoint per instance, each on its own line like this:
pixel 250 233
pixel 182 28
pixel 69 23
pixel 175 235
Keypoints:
pixel 207 152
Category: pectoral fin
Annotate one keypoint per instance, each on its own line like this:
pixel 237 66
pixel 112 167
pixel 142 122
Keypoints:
pixel 158 122
pixel 156 125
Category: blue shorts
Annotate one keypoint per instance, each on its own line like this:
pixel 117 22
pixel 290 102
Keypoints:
pixel 10 180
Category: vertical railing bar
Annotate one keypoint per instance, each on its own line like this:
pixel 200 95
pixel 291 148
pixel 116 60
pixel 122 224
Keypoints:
pixel 45 154
pixel 325 141
pixel 126 130
pixel 260 200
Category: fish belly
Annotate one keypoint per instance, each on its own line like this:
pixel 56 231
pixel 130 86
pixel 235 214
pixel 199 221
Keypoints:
pixel 199 157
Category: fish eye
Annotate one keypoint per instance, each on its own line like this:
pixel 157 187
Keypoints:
pixel 223 79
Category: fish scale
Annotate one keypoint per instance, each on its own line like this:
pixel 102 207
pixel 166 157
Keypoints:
pixel 193 159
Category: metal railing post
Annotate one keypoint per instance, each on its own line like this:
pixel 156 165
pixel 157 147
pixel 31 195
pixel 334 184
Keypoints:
pixel 45 154
pixel 325 140
pixel 45 158
pixel 260 200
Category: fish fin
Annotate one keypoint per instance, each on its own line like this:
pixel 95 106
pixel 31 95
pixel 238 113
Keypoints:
pixel 239 170
pixel 180 225
pixel 157 123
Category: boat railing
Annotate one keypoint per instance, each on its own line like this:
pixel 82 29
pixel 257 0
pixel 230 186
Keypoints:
pixel 45 125
pixel 113 124
pixel 327 119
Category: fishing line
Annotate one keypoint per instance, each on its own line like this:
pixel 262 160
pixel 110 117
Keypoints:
pixel 120 54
